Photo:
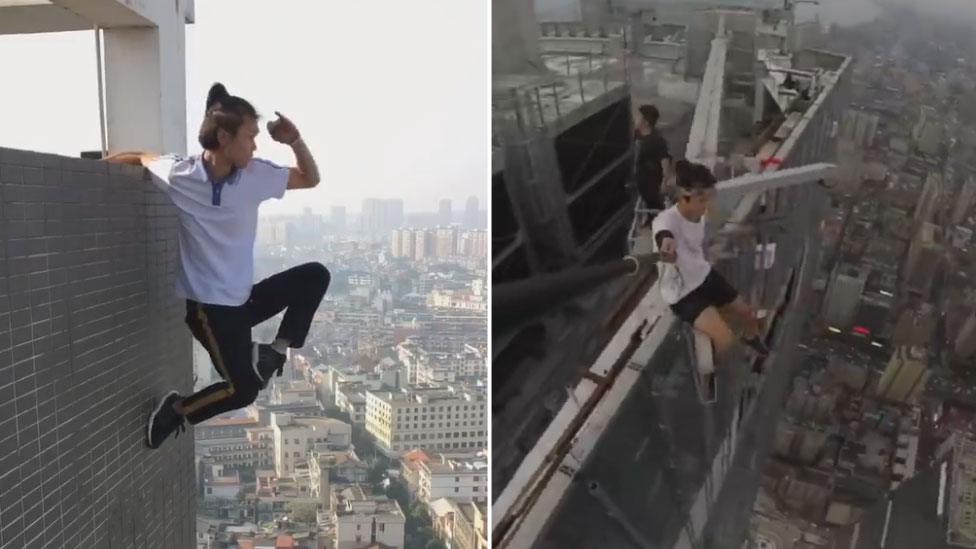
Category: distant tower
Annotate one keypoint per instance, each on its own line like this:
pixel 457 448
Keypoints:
pixel 471 213
pixel 338 218
pixel 444 214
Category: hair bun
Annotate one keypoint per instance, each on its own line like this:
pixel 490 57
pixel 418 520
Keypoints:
pixel 216 93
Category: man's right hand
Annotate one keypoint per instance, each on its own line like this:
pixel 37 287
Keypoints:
pixel 131 158
pixel 668 251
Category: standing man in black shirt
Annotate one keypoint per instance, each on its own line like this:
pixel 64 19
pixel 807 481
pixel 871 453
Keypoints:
pixel 652 149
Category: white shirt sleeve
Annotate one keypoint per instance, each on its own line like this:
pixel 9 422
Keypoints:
pixel 266 179
pixel 662 222
pixel 161 168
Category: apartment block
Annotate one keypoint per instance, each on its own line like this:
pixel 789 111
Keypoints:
pixel 434 417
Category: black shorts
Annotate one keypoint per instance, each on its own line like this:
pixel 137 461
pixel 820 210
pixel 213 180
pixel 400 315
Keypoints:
pixel 715 291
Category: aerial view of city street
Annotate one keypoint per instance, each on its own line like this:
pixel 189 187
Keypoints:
pixel 387 398
pixel 884 396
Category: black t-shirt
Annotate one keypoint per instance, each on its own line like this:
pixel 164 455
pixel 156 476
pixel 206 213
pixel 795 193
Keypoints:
pixel 651 149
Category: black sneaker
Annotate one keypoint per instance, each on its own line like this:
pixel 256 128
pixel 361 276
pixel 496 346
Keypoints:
pixel 267 361
pixel 164 421
pixel 756 345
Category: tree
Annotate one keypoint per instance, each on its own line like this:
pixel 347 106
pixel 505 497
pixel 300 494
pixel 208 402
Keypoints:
pixel 396 490
pixel 376 473
pixel 304 512
pixel 435 544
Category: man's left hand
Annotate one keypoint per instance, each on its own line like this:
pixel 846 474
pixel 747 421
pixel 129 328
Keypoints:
pixel 283 130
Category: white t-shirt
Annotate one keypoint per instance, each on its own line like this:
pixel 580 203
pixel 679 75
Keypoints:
pixel 680 278
pixel 218 224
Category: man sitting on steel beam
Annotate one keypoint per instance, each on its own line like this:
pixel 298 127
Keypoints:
pixel 697 293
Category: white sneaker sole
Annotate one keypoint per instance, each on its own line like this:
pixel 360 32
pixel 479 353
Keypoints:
pixel 152 417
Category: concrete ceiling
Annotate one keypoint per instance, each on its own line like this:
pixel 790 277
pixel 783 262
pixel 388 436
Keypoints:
pixel 34 16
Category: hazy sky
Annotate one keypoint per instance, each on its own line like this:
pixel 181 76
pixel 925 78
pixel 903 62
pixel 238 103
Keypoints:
pixel 392 97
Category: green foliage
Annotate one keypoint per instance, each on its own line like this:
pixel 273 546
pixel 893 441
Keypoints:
pixel 303 512
pixel 398 491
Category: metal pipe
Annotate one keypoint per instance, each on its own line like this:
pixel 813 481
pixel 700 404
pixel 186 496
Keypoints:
pixel 555 100
pixel 526 298
pixel 582 96
pixel 101 92
pixel 538 102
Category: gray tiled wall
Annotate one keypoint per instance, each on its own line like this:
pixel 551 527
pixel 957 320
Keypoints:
pixel 90 337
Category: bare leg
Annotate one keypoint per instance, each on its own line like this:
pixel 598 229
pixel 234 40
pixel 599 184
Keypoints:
pixel 711 323
pixel 743 315
pixel 748 320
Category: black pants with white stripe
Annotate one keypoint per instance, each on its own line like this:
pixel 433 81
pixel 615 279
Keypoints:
pixel 225 332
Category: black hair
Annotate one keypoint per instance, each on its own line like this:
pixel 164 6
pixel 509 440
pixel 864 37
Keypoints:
pixel 223 112
pixel 650 114
pixel 692 177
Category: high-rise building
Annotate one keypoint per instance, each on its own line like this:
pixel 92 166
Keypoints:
pixel 275 233
pixel 309 226
pixel 924 259
pixel 964 201
pixel 380 216
pixel 434 417
pixel 337 217
pixel 446 242
pixel 928 131
pixel 424 244
pixel 843 296
pixel 904 378
pixel 403 243
pixel 929 199
pixel 860 127
pixel 471 214
pixel 444 212
pixel 935 509
pixel 965 344
pixel 473 244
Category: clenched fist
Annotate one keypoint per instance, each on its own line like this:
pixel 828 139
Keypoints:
pixel 283 130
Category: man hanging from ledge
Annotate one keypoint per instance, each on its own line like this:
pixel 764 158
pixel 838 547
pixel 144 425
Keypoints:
pixel 217 194
pixel 695 291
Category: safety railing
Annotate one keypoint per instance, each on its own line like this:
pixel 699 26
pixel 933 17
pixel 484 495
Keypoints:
pixel 567 82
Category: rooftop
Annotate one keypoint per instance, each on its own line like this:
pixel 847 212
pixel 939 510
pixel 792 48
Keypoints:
pixel 451 466
pixel 354 501
pixel 430 394
pixel 229 422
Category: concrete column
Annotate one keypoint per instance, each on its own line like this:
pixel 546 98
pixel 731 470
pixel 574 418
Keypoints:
pixel 145 87
pixel 145 82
